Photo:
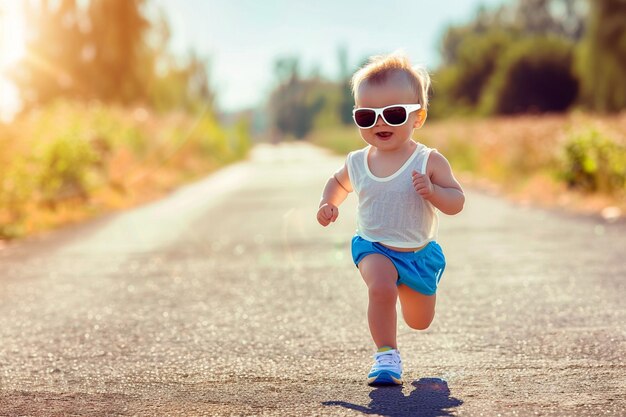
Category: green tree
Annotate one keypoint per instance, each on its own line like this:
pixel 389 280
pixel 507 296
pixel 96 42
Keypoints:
pixel 83 50
pixel 295 102
pixel 534 75
pixel 563 18
pixel 346 102
pixel 106 50
pixel 53 64
pixel 116 42
pixel 472 55
pixel 477 59
pixel 602 57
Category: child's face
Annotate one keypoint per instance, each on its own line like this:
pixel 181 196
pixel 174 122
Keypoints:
pixel 395 90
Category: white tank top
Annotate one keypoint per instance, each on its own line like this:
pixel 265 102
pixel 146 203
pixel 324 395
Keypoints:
pixel 390 211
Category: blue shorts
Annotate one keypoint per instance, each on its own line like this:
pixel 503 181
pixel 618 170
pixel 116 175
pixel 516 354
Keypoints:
pixel 420 271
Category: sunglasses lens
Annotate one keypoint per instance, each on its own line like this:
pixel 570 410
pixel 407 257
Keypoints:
pixel 395 115
pixel 365 118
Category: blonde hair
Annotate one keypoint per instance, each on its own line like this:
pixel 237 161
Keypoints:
pixel 379 68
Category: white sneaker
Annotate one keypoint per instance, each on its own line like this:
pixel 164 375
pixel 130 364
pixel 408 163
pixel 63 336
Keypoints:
pixel 387 368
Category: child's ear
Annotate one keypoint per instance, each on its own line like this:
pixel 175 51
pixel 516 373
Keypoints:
pixel 420 119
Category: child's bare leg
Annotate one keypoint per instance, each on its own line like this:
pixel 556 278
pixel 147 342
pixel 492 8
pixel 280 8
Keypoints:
pixel 381 275
pixel 418 309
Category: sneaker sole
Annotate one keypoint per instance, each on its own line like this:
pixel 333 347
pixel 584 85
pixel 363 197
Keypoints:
pixel 384 378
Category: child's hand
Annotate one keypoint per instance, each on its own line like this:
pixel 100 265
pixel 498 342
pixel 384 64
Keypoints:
pixel 423 186
pixel 326 214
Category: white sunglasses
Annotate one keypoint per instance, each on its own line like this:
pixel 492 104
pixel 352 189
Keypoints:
pixel 394 115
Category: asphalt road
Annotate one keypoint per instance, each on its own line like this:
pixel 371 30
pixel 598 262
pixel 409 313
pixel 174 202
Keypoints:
pixel 227 298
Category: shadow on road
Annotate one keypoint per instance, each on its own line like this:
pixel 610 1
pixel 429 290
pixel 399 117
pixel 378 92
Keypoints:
pixel 430 398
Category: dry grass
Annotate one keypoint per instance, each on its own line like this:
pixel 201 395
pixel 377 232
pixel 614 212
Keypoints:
pixel 133 156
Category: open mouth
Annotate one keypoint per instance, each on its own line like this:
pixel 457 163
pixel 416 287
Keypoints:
pixel 384 135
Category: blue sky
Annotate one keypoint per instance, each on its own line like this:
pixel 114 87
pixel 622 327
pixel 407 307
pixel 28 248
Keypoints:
pixel 243 38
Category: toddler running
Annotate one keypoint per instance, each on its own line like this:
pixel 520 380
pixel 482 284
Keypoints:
pixel 401 184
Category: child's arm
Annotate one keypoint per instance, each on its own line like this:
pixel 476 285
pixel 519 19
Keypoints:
pixel 439 185
pixel 335 192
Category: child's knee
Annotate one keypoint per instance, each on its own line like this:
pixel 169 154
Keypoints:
pixel 419 323
pixel 383 292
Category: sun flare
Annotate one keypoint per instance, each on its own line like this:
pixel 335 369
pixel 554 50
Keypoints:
pixel 12 49
pixel 11 33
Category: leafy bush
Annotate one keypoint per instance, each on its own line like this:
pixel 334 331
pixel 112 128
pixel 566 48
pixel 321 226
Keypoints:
pixel 477 59
pixel 66 168
pixel 594 161
pixel 71 159
pixel 458 87
pixel 534 75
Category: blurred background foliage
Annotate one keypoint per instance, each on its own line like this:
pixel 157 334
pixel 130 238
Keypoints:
pixel 529 56
pixel 106 50
pixel 68 160
pixel 529 94
pixel 110 117
pixel 519 64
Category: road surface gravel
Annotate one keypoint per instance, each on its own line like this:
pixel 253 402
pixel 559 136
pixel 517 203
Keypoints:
pixel 227 298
